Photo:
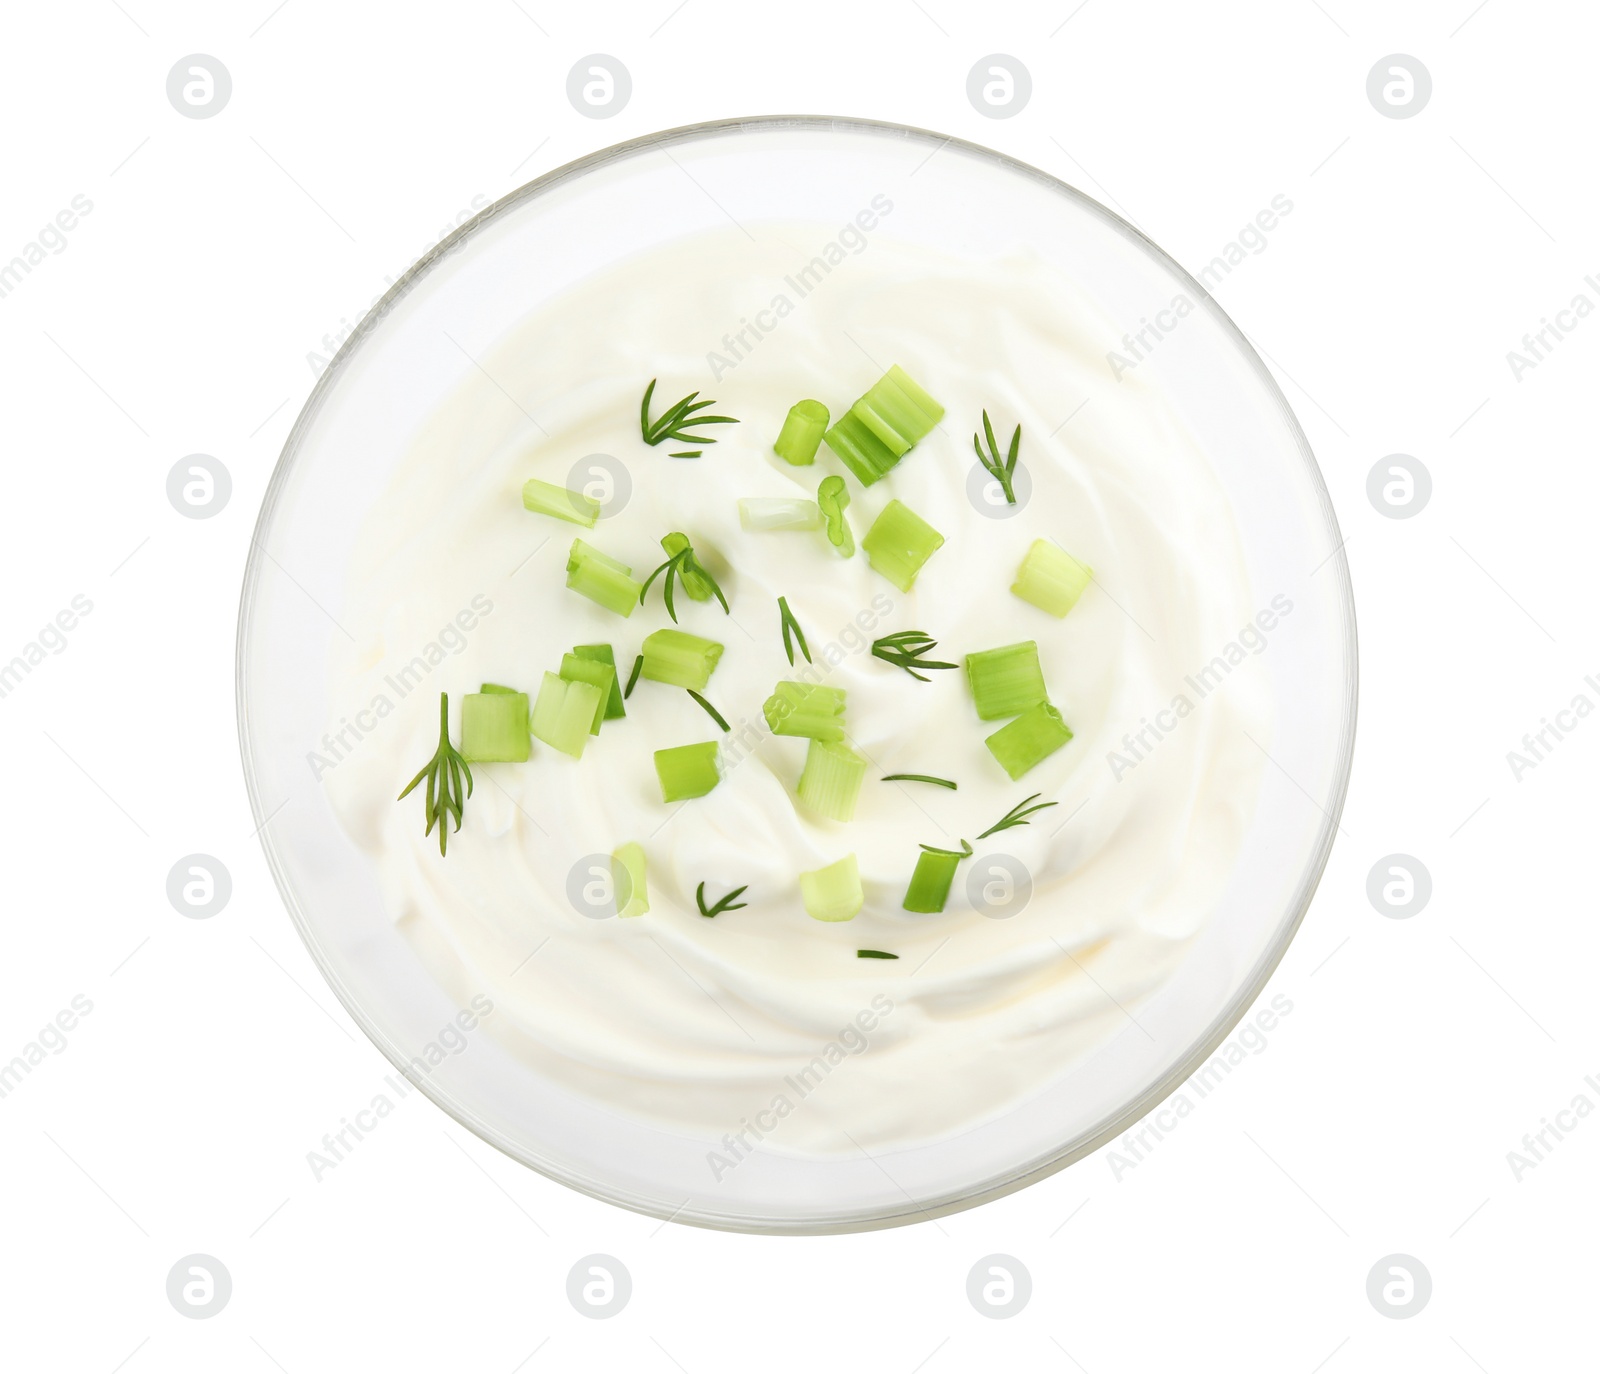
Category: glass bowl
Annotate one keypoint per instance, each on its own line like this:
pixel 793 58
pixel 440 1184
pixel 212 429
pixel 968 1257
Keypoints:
pixel 552 234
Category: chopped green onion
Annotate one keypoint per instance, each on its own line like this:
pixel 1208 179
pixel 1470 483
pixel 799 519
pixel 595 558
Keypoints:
pixel 679 658
pixel 494 727
pixel 874 954
pixel 494 687
pixel 1007 681
pixel 601 675
pixel 690 770
pixel 905 649
pixel 601 653
pixel 801 433
pixel 545 498
pixel 791 631
pixel 832 498
pixel 602 579
pixel 633 677
pixel 1034 735
pixel 726 903
pixel 808 710
pixel 873 435
pixel 899 543
pixel 1051 578
pixel 710 710
pixel 628 879
pixel 564 711
pixel 930 883
pixel 764 514
pixel 833 893
pixel 919 777
pixel 831 779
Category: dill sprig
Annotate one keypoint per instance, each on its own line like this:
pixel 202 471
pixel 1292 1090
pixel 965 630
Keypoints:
pixel 1001 469
pixel 792 633
pixel 682 566
pixel 676 420
pixel 905 648
pixel 723 904
pixel 918 777
pixel 711 710
pixel 633 677
pixel 874 954
pixel 965 852
pixel 1018 815
pixel 444 772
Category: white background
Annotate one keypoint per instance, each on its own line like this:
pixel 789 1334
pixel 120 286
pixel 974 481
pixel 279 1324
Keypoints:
pixel 178 319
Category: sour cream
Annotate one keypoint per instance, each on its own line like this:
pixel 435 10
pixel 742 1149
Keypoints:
pixel 1054 931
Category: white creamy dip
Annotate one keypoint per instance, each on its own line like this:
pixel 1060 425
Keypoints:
pixel 705 1024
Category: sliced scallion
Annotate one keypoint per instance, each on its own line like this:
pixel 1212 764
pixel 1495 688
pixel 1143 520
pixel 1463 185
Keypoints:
pixel 564 712
pixel 929 888
pixel 1030 738
pixel 679 658
pixel 689 770
pixel 1006 681
pixel 765 514
pixel 601 675
pixel 494 727
pixel 1051 578
pixel 801 433
pixel 545 498
pixel 873 435
pixel 602 579
pixel 833 893
pixel 830 783
pixel 601 653
pixel 628 879
pixel 805 709
pixel 899 543
pixel 832 498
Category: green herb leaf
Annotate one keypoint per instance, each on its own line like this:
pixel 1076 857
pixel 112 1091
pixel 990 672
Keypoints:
pixel 905 648
pixel 919 777
pixel 676 419
pixel 1018 815
pixel 444 772
pixel 965 852
pixel 792 632
pixel 633 677
pixel 874 954
pixel 711 710
pixel 727 903
pixel 679 568
pixel 1001 469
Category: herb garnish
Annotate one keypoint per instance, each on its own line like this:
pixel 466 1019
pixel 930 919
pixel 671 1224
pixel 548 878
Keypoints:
pixel 633 677
pixel 1000 469
pixel 711 710
pixel 682 565
pixel 905 648
pixel 1018 815
pixel 792 631
pixel 874 954
pixel 965 852
pixel 443 772
pixel 724 904
pixel 673 422
pixel 918 777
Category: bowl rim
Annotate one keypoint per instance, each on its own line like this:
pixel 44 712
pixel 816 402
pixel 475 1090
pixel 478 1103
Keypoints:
pixel 1250 987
